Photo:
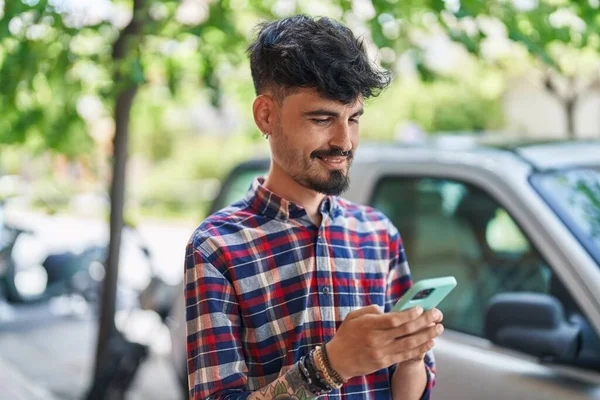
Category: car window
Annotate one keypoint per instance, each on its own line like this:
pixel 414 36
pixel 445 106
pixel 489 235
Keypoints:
pixel 575 196
pixel 240 184
pixel 236 186
pixel 452 228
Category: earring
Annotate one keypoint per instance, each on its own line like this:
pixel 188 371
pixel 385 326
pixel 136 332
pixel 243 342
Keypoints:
pixel 265 135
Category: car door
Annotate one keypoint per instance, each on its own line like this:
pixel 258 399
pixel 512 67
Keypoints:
pixel 451 227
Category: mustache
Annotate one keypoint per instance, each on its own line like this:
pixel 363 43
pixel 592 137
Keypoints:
pixel 332 153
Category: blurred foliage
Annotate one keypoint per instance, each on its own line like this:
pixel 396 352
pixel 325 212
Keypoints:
pixel 590 191
pixel 444 105
pixel 64 64
pixel 538 25
pixel 561 37
pixel 54 54
pixel 191 120
pixel 186 183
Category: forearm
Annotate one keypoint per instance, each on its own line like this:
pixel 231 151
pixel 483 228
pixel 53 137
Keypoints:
pixel 290 384
pixel 409 381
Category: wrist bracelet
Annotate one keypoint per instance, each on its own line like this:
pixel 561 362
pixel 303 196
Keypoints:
pixel 312 368
pixel 335 375
pixel 307 377
pixel 319 357
pixel 326 371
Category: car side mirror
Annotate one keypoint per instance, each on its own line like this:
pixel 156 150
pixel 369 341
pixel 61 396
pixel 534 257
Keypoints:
pixel 532 323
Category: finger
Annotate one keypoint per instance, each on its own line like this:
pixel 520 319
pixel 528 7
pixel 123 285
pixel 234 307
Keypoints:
pixel 433 317
pixel 425 321
pixel 393 320
pixel 418 339
pixel 372 309
pixel 437 315
pixel 414 354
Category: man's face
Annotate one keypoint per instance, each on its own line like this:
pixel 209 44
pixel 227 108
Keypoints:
pixel 315 140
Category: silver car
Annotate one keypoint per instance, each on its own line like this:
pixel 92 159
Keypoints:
pixel 519 227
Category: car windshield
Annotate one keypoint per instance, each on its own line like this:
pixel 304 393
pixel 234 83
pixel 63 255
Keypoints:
pixel 574 195
pixel 237 186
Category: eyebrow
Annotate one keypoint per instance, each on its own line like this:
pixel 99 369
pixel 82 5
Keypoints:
pixel 324 112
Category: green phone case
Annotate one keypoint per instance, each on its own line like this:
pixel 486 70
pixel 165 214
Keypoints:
pixel 438 287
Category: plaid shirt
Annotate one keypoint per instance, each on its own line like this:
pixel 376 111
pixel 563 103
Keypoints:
pixel 264 285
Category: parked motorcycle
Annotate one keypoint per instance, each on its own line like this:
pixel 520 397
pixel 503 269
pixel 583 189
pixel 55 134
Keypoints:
pixel 73 272
pixel 81 273
pixel 62 273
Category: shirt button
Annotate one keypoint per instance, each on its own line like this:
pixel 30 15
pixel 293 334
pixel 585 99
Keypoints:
pixel 326 290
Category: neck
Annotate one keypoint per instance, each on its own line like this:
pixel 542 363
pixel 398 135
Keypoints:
pixel 284 186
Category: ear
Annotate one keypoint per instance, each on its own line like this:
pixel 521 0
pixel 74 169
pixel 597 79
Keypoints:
pixel 264 113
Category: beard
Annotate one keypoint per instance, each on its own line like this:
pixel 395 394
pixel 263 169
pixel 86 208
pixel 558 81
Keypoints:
pixel 310 173
pixel 334 183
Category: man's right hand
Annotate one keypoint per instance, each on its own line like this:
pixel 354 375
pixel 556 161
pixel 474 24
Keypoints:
pixel 369 340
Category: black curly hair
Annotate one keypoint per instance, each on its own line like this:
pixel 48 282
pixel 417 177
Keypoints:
pixel 320 53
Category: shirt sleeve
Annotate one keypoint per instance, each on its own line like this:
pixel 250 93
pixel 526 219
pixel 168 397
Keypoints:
pixel 398 282
pixel 430 369
pixel 215 360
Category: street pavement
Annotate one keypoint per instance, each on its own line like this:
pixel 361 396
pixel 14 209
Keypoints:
pixel 48 349
pixel 54 356
pixel 15 386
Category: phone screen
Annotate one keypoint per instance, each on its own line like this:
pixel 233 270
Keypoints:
pixel 423 294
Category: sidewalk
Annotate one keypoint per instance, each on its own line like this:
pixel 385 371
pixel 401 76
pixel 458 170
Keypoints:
pixel 15 386
pixel 55 355
pixel 57 352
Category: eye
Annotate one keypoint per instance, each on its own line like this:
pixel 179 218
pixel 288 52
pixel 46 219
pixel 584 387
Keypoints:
pixel 354 121
pixel 319 121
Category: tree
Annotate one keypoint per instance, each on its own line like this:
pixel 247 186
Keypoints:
pixel 562 37
pixel 56 53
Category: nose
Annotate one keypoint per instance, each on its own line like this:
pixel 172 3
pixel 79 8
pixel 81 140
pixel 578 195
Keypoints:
pixel 341 137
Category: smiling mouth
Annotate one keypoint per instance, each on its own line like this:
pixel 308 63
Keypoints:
pixel 334 162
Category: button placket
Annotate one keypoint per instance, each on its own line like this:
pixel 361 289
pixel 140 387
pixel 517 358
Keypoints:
pixel 325 289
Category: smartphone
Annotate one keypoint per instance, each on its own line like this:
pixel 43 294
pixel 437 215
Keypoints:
pixel 426 293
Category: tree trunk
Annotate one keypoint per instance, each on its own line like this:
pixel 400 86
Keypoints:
pixel 129 39
pixel 570 115
pixel 117 200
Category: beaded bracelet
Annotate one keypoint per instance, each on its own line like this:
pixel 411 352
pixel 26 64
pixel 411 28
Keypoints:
pixel 312 367
pixel 307 379
pixel 326 371
pixel 336 376
pixel 310 377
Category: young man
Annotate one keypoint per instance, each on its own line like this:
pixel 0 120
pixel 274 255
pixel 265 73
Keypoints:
pixel 287 291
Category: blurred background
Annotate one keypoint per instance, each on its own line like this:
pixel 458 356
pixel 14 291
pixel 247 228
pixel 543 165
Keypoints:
pixel 146 105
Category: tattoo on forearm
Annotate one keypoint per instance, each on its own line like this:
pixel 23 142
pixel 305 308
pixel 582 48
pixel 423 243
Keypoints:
pixel 264 391
pixel 289 386
pixel 297 384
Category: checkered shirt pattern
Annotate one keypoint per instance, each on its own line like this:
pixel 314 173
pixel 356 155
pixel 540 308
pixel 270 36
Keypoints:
pixel 264 285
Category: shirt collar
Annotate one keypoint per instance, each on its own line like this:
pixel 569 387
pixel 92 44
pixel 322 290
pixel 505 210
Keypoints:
pixel 268 203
